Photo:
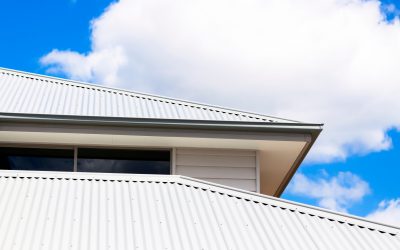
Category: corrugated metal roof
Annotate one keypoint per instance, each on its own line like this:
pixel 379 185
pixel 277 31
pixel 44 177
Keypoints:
pixel 107 211
pixel 28 93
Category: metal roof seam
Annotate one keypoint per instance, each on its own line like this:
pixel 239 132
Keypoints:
pixel 137 95
pixel 145 211
pixel 182 181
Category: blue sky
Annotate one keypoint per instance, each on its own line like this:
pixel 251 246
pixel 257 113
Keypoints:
pixel 31 32
pixel 381 170
pixel 31 29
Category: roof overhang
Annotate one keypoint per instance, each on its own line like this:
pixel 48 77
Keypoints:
pixel 282 146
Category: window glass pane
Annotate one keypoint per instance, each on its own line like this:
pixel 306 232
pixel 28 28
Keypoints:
pixel 36 159
pixel 124 161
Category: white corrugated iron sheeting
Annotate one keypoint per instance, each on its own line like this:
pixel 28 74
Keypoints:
pixel 107 211
pixel 33 94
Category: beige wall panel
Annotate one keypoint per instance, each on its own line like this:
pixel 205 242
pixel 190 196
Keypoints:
pixel 228 152
pixel 216 172
pixel 235 168
pixel 216 161
pixel 249 185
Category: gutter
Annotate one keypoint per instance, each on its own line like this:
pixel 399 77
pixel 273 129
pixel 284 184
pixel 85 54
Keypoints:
pixel 312 128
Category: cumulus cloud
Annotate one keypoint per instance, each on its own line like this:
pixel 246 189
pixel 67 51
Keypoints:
pixel 330 61
pixel 86 67
pixel 388 212
pixel 337 193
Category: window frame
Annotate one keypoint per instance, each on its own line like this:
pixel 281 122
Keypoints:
pixel 75 149
pixel 20 151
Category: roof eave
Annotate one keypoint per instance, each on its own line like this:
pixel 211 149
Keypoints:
pixel 311 128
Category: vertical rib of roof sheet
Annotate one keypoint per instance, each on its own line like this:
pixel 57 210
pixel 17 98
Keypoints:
pixel 27 93
pixel 80 212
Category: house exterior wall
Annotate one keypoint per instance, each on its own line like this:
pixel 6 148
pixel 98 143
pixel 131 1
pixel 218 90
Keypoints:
pixel 277 152
pixel 231 167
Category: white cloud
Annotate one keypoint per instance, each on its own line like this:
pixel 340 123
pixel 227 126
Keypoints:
pixel 330 61
pixel 388 212
pixel 337 193
pixel 86 67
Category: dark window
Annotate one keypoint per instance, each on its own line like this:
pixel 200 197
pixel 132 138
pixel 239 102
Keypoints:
pixel 89 160
pixel 36 159
pixel 123 161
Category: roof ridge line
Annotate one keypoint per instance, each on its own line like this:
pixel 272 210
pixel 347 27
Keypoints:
pixel 153 97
